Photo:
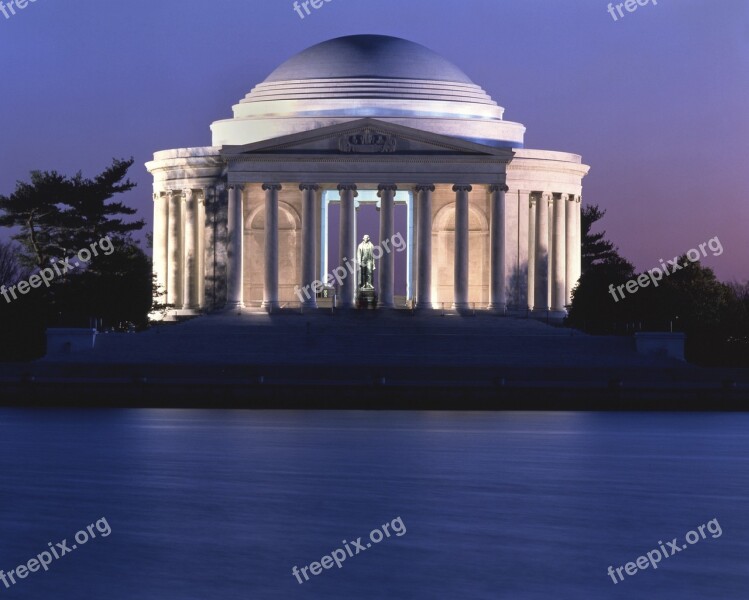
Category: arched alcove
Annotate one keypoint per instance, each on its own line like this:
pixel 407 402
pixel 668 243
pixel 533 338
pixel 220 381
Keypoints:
pixel 443 255
pixel 289 254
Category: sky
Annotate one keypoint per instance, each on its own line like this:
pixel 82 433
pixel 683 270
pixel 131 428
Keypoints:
pixel 656 102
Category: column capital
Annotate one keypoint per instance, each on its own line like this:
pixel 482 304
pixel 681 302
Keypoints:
pixel 579 199
pixel 156 196
pixel 424 187
pixel 187 194
pixel 235 186
pixel 272 187
pixel 306 187
pixel 169 194
pixel 564 197
pixel 498 188
pixel 459 187
pixel 386 187
pixel 547 195
pixel 348 187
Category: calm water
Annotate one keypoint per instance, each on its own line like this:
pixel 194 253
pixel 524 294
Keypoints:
pixel 221 505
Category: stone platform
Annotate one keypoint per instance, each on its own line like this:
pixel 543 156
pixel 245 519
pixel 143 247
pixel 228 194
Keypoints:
pixel 370 359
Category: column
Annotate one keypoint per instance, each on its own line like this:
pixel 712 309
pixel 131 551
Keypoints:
pixel 424 245
pixel 190 297
pixel 569 251
pixel 309 240
pixel 531 251
pixel 461 246
pixel 235 227
pixel 347 243
pixel 201 204
pixel 324 262
pixel 160 244
pixel 174 277
pixel 270 289
pixel 498 267
pixel 559 255
pixel 541 297
pixel 387 262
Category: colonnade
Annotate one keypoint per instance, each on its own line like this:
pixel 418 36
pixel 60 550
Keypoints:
pixel 554 250
pixel 553 246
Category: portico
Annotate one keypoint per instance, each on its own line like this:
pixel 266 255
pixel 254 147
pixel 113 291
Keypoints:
pixel 365 154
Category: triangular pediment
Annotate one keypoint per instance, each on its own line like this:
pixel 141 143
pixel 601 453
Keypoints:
pixel 365 137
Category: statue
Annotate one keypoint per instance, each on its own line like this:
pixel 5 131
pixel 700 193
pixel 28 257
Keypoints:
pixel 365 260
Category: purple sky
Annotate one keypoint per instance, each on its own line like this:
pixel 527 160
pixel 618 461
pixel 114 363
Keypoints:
pixel 657 102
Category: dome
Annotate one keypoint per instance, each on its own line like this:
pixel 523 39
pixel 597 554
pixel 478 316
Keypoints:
pixel 374 76
pixel 371 57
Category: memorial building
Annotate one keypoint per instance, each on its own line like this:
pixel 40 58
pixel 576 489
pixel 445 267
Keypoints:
pixel 244 222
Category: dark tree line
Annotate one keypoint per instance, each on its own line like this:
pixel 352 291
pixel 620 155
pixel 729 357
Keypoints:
pixel 714 315
pixel 52 217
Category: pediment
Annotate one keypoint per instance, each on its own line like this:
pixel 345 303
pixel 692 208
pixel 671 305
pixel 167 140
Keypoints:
pixel 364 138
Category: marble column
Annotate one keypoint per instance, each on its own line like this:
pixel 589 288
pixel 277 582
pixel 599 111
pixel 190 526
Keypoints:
pixel 386 275
pixel 531 251
pixel 309 241
pixel 461 246
pixel 569 251
pixel 174 277
pixel 424 245
pixel 559 255
pixel 541 296
pixel 202 201
pixel 235 231
pixel 190 298
pixel 347 244
pixel 270 289
pixel 498 267
pixel 161 244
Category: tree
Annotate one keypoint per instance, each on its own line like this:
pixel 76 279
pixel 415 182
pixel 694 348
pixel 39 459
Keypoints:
pixel 689 299
pixel 116 288
pixel 595 248
pixel 593 308
pixel 57 215
pixel 21 331
pixel 33 208
pixel 11 270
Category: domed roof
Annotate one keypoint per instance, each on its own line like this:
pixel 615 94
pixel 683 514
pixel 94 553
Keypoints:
pixel 372 76
pixel 368 56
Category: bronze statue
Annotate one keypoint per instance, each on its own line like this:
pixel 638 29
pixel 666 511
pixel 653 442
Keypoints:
pixel 366 261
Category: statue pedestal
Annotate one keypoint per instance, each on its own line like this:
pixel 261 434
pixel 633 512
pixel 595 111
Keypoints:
pixel 366 299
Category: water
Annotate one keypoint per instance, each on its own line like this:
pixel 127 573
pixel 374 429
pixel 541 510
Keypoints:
pixel 221 505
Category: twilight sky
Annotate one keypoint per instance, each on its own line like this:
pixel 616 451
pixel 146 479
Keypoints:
pixel 657 102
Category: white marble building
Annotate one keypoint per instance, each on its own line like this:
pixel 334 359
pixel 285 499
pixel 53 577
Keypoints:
pixel 492 225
